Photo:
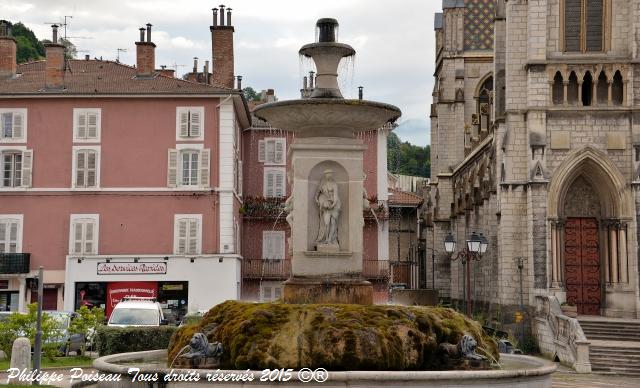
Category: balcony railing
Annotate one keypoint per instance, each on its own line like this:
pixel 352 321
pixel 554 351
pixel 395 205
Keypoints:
pixel 266 269
pixel 14 263
pixel 375 269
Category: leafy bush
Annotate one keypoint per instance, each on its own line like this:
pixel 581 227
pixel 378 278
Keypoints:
pixel 112 340
pixel 24 325
pixel 86 323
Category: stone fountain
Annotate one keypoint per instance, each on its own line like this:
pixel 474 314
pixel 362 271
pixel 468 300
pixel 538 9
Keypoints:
pixel 327 179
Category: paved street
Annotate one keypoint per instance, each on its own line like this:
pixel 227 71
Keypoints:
pixel 567 378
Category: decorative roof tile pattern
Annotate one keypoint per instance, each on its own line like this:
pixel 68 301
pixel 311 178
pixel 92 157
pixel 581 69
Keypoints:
pixel 96 77
pixel 478 24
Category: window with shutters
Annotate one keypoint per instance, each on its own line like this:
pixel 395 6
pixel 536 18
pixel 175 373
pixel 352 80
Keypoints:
pixel 187 234
pixel 86 167
pixel 86 125
pixel 189 167
pixel 16 168
pixel 11 233
pixel 273 245
pixel 190 123
pixel 272 151
pixel 584 25
pixel 13 125
pixel 83 234
pixel 274 182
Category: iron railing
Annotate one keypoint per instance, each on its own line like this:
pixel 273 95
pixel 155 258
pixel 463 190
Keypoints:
pixel 266 269
pixel 375 269
pixel 14 263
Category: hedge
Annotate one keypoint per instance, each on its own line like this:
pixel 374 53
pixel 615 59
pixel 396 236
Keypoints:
pixel 112 340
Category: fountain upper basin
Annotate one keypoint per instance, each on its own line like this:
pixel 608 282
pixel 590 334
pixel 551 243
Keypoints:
pixel 330 117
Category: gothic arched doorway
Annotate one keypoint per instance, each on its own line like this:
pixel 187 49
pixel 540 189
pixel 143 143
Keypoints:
pixel 590 213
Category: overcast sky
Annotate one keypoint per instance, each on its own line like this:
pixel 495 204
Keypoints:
pixel 394 42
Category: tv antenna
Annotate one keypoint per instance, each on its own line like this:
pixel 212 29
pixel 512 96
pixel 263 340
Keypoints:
pixel 62 24
pixel 120 50
pixel 175 66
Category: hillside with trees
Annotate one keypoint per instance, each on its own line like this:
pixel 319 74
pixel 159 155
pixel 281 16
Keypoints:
pixel 408 159
pixel 29 48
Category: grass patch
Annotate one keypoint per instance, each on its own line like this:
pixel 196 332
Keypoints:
pixel 58 362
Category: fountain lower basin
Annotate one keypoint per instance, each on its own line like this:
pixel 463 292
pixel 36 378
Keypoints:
pixel 517 371
pixel 327 117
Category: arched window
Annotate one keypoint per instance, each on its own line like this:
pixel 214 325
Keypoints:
pixel 572 89
pixel 617 89
pixel 587 89
pixel 558 89
pixel 584 25
pixel 603 89
pixel 485 101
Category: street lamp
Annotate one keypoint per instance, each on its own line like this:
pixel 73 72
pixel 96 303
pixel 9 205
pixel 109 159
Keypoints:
pixel 475 246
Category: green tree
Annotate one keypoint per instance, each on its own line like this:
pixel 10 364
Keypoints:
pixel 408 159
pixel 24 325
pixel 250 94
pixel 29 47
pixel 86 323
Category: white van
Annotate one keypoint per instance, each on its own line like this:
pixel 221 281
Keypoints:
pixel 137 311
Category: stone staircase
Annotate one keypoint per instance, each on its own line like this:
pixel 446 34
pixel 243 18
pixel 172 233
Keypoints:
pixel 615 344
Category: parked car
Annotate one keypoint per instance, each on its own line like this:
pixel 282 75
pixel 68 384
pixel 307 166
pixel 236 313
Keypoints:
pixel 68 342
pixel 137 311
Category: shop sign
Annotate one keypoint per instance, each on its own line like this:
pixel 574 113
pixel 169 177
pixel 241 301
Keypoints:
pixel 131 268
pixel 118 290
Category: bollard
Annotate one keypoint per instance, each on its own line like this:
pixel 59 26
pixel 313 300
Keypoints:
pixel 21 354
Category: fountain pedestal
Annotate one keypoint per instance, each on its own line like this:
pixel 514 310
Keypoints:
pixel 327 272
pixel 327 179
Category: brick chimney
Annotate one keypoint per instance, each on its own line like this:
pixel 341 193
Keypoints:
pixel 145 54
pixel 222 48
pixel 8 64
pixel 54 68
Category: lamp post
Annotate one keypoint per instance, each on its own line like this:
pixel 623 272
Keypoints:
pixel 476 245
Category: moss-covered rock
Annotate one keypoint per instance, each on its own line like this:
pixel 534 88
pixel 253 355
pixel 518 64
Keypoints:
pixel 335 337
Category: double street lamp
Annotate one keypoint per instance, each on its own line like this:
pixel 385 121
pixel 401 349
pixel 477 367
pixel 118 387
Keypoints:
pixel 475 247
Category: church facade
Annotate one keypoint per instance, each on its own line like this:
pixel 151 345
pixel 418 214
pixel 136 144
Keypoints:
pixel 536 144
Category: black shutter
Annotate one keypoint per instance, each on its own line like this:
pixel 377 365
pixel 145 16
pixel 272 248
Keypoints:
pixel 594 25
pixel 572 21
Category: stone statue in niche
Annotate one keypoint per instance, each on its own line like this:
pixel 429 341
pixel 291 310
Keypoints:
pixel 329 206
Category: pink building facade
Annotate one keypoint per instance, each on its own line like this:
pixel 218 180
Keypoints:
pixel 265 250
pixel 119 180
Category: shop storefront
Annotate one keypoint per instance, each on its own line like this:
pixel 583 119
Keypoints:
pixel 180 284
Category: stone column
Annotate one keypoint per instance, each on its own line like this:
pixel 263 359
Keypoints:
pixel 613 244
pixel 610 93
pixel 560 243
pixel 579 97
pixel 554 256
pixel 625 84
pixel 565 85
pixel 604 237
pixel 622 253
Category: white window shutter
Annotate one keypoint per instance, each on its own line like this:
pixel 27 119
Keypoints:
pixel 193 237
pixel 82 126
pixel 172 169
pixel 196 120
pixel 184 124
pixel 88 238
pixel 92 125
pixel 279 152
pixel 80 168
pixel 279 184
pixel 91 168
pixel 18 126
pixel 269 184
pixel 77 237
pixel 279 245
pixel 27 167
pixel 205 167
pixel 270 153
pixel 261 151
pixel 182 237
pixel 266 246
